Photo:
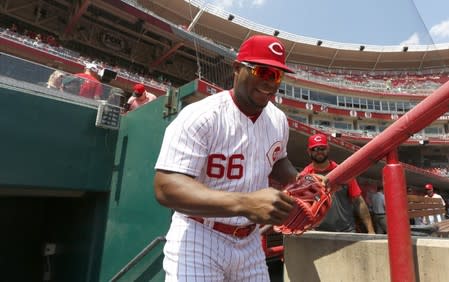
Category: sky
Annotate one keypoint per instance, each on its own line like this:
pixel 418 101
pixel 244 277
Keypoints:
pixel 368 22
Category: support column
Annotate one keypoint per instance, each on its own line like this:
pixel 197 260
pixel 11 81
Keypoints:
pixel 398 226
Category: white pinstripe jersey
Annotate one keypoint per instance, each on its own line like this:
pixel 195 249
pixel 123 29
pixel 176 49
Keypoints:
pixel 221 147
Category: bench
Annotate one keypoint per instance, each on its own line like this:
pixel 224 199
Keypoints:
pixel 420 206
pixel 443 228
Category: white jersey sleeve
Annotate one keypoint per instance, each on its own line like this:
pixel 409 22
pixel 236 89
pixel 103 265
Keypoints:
pixel 185 145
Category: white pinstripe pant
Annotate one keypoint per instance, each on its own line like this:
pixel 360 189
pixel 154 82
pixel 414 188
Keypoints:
pixel 195 252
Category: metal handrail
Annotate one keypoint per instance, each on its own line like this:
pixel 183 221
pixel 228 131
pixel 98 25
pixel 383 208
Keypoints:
pixel 137 258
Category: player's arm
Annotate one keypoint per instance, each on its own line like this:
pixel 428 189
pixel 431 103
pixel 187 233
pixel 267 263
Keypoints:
pixel 188 196
pixel 363 212
pixel 284 172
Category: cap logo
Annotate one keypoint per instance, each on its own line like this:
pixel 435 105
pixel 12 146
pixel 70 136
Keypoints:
pixel 276 48
pixel 317 139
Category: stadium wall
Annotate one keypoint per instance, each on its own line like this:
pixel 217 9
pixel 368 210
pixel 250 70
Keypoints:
pixel 330 256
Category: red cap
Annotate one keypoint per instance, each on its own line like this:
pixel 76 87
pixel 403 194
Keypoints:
pixel 317 140
pixel 265 50
pixel 139 88
pixel 428 187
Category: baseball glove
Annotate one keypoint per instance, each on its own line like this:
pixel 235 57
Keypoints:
pixel 313 200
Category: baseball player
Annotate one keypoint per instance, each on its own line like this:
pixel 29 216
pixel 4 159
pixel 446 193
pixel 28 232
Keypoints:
pixel 431 194
pixel 213 170
pixel 139 97
pixel 91 86
pixel 347 200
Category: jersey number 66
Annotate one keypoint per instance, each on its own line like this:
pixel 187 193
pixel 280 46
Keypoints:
pixel 218 165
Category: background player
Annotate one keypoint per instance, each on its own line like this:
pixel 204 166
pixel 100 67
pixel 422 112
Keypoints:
pixel 346 201
pixel 213 170
pixel 139 97
pixel 431 194
pixel 91 86
pixel 379 214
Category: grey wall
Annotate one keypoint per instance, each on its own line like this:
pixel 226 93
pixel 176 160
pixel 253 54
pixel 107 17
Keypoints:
pixel 322 256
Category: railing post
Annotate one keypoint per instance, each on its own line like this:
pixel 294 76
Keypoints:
pixel 398 226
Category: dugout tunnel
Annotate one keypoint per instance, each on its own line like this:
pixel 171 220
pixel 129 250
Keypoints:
pixel 76 200
pixel 54 180
pixel 76 196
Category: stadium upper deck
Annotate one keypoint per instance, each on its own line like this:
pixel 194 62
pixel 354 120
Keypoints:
pixel 118 34
pixel 214 23
pixel 151 35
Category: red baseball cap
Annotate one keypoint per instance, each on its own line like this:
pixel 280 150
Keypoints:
pixel 265 50
pixel 139 88
pixel 317 140
pixel 428 187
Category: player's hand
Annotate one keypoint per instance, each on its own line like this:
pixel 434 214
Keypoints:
pixel 267 206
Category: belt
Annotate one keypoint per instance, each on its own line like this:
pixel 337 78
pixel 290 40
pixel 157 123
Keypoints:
pixel 234 230
pixel 379 214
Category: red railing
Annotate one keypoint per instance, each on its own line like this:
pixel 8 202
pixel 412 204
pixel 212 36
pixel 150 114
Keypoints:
pixel 385 145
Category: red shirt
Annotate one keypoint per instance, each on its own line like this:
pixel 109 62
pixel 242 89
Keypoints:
pixel 354 190
pixel 91 87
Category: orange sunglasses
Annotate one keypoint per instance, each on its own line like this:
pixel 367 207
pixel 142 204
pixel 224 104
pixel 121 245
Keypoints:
pixel 265 72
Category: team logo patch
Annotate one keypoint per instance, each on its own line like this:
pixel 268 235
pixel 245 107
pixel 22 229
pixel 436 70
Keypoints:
pixel 274 152
pixel 276 48
pixel 318 138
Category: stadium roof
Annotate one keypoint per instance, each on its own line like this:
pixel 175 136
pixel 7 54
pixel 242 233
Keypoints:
pixel 231 31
